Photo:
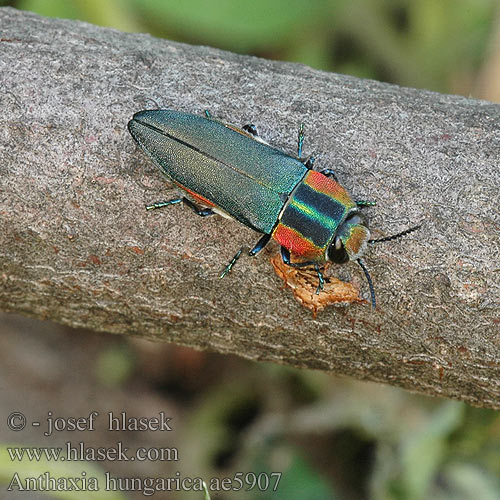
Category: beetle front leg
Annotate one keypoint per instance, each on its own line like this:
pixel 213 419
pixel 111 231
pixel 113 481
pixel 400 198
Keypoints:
pixel 285 255
pixel 321 281
pixel 263 241
pixel 328 172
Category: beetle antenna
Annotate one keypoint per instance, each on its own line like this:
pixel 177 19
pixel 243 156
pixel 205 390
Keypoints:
pixel 396 236
pixel 370 282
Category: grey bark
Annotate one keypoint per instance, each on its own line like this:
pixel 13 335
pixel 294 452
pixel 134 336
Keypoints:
pixel 77 246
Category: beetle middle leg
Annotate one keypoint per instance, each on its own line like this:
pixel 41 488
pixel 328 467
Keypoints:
pixel 365 203
pixel 263 241
pixel 300 140
pixel 285 255
pixel 309 161
pixel 202 212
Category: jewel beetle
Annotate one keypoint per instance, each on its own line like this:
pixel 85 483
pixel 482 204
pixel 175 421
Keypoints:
pixel 233 172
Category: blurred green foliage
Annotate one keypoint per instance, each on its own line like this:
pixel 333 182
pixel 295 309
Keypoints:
pixel 436 44
pixel 114 365
pixel 343 440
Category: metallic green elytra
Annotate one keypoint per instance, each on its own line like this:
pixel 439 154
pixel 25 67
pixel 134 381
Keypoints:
pixel 233 172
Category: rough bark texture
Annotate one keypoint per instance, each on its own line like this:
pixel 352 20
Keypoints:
pixel 77 246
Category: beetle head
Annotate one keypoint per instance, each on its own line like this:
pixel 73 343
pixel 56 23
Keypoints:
pixel 350 240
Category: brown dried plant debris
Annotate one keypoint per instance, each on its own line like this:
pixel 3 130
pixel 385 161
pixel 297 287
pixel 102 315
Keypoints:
pixel 304 281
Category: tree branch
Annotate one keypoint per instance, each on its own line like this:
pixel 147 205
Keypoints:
pixel 77 246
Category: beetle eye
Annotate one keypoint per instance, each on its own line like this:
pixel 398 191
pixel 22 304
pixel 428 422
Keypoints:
pixel 337 252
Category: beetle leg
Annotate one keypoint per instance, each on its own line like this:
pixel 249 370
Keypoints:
pixel 263 241
pixel 365 203
pixel 228 268
pixel 360 203
pixel 329 173
pixel 251 129
pixel 285 255
pixel 161 204
pixel 309 162
pixel 321 281
pixel 300 140
pixel 203 212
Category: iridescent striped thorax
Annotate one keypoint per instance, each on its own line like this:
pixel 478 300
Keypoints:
pixel 318 215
